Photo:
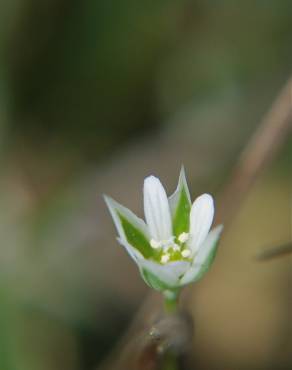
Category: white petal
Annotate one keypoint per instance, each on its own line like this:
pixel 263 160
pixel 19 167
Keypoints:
pixel 156 209
pixel 201 265
pixel 116 208
pixel 201 219
pixel 182 184
pixel 169 273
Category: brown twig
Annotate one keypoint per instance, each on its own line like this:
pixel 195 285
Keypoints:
pixel 273 252
pixel 259 151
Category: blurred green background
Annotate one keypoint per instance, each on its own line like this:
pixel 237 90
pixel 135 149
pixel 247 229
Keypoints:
pixel 94 96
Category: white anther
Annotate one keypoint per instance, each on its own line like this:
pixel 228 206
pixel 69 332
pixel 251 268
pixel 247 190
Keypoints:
pixel 164 258
pixel 183 237
pixel 155 244
pixel 186 253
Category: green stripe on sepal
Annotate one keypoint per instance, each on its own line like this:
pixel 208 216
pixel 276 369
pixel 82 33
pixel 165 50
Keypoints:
pixel 153 281
pixel 208 262
pixel 181 218
pixel 180 205
pixel 135 237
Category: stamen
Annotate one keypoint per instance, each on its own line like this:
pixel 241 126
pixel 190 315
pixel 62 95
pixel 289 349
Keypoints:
pixel 164 258
pixel 155 244
pixel 183 237
pixel 186 253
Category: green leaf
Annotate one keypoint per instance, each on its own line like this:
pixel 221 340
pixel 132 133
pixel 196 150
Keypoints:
pixel 181 218
pixel 135 237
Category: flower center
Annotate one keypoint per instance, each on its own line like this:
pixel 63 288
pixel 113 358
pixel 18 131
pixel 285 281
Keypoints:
pixel 173 249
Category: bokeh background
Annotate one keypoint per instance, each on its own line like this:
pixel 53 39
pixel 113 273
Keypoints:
pixel 94 96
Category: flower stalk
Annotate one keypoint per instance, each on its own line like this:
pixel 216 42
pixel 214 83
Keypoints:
pixel 170 362
pixel 171 299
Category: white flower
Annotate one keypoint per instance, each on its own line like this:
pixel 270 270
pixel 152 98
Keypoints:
pixel 175 246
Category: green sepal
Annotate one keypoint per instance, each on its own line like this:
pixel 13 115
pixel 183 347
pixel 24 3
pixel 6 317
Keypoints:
pixel 180 204
pixel 135 237
pixel 153 281
pixel 181 219
pixel 208 262
pixel 131 228
pixel 204 258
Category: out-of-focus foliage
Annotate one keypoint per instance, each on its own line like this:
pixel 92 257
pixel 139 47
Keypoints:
pixel 83 70
pixel 94 96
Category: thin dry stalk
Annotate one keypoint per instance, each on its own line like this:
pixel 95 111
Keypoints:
pixel 258 153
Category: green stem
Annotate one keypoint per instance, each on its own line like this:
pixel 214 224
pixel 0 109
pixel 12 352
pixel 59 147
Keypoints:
pixel 171 301
pixel 169 361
